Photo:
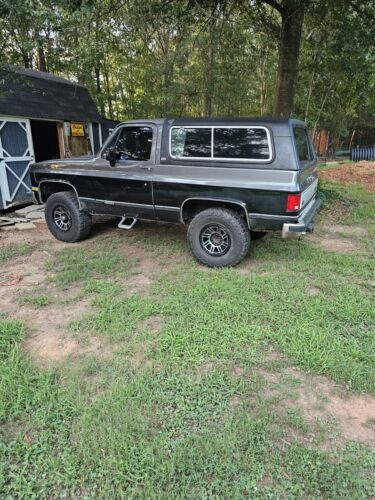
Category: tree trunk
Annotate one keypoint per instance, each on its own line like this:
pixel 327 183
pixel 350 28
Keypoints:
pixel 27 62
pixel 109 97
pixel 41 59
pixel 208 97
pixel 292 14
pixel 263 86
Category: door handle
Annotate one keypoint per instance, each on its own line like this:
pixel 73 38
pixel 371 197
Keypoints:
pixel 145 167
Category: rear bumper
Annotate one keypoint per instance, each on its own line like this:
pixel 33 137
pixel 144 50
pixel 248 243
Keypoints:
pixel 305 222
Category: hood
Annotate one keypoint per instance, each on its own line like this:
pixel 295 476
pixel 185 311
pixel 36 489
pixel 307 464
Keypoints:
pixel 76 161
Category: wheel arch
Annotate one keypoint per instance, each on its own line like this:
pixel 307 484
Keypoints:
pixel 191 206
pixel 49 187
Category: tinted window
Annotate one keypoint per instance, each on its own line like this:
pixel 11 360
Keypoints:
pixel 241 143
pixel 191 142
pixel 302 144
pixel 134 143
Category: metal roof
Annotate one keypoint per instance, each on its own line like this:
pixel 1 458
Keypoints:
pixel 36 94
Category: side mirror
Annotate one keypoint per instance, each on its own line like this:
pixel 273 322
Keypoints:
pixel 111 157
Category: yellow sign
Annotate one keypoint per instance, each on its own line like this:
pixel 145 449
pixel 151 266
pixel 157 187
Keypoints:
pixel 78 130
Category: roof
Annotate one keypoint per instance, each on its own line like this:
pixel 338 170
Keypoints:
pixel 281 127
pixel 250 120
pixel 260 120
pixel 36 94
pixel 226 119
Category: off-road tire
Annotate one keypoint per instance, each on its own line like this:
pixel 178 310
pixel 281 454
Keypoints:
pixel 257 235
pixel 230 224
pixel 78 223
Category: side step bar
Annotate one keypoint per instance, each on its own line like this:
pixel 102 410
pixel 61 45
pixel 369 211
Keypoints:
pixel 127 222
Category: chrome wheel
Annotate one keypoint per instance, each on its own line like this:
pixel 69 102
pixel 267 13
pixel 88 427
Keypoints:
pixel 62 218
pixel 215 240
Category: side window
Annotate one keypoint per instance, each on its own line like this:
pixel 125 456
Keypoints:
pixel 302 144
pixel 236 143
pixel 241 143
pixel 110 145
pixel 189 142
pixel 134 143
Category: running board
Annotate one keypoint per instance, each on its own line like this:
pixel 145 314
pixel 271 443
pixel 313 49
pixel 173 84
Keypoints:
pixel 127 222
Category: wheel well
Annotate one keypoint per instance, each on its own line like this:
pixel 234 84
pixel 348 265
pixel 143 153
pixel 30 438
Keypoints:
pixel 192 207
pixel 46 189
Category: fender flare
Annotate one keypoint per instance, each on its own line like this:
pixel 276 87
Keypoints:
pixel 220 200
pixel 57 181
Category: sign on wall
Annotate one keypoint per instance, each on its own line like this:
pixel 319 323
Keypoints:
pixel 78 129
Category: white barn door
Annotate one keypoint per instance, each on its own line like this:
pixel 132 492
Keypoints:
pixel 16 154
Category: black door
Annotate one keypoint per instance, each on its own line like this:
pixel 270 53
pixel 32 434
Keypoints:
pixel 128 185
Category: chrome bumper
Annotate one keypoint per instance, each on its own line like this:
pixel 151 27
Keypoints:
pixel 305 222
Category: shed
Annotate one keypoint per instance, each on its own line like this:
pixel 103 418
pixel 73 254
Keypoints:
pixel 42 117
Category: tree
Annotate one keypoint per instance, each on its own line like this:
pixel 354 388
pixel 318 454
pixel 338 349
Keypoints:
pixel 292 13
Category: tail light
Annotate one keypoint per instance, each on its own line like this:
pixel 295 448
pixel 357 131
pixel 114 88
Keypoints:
pixel 293 202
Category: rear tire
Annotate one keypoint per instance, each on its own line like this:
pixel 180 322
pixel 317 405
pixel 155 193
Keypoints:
pixel 66 221
pixel 218 237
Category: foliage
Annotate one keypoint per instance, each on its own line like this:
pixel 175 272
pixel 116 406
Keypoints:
pixel 145 58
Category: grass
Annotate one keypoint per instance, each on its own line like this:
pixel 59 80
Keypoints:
pixel 15 250
pixel 74 264
pixel 359 204
pixel 185 412
pixel 36 300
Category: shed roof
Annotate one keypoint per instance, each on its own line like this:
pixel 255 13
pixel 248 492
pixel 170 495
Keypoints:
pixel 36 94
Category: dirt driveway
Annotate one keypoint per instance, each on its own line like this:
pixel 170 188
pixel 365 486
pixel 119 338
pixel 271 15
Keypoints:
pixel 29 293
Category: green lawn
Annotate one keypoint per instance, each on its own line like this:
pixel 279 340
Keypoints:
pixel 185 410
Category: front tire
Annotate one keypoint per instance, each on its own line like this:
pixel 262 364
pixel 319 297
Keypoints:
pixel 64 218
pixel 218 237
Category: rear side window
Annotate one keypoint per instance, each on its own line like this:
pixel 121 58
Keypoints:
pixel 235 143
pixel 241 143
pixel 302 144
pixel 191 142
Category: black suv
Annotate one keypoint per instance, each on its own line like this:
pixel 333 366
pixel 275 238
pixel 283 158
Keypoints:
pixel 229 180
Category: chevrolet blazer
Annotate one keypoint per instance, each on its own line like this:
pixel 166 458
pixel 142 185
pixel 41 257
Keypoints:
pixel 229 180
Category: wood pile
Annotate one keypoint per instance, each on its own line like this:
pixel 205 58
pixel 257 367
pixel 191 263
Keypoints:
pixel 23 218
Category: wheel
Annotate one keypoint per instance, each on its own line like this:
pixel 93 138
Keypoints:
pixel 64 218
pixel 257 235
pixel 218 237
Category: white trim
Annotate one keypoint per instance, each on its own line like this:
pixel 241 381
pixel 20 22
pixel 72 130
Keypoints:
pixel 214 158
pixel 13 118
pixel 91 136
pixel 61 131
pixel 7 160
pixel 100 135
